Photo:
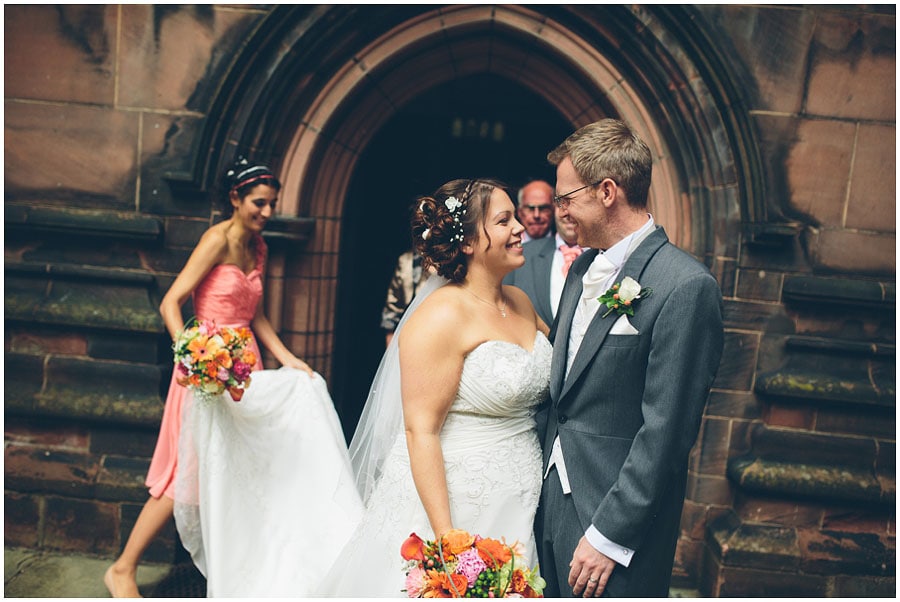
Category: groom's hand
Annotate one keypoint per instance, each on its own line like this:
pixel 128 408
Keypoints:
pixel 590 570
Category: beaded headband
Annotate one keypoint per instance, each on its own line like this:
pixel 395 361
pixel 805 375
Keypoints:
pixel 249 174
pixel 457 209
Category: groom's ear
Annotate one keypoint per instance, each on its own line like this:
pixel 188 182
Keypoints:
pixel 608 192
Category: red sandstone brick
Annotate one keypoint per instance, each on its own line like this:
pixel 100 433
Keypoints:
pixel 35 343
pixel 818 169
pixel 849 77
pixel 82 525
pixel 789 416
pixel 76 57
pixel 857 520
pixel 873 185
pixel 27 433
pixel 81 148
pixel 715 441
pixel 852 251
pixel 163 58
pixel 693 520
pixel 21 520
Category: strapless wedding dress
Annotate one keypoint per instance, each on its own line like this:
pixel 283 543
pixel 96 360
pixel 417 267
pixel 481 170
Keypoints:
pixel 492 459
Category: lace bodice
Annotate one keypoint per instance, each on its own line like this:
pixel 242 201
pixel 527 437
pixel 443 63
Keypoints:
pixel 502 379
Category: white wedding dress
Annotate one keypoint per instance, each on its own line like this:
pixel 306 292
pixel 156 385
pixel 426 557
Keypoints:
pixel 493 465
pixel 265 497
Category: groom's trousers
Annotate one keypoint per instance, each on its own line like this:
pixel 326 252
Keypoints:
pixel 558 531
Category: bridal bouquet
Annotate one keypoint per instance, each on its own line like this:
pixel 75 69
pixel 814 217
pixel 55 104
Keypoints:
pixel 467 566
pixel 210 360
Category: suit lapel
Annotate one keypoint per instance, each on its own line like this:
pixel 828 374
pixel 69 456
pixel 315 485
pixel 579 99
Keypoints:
pixel 600 326
pixel 568 302
pixel 541 274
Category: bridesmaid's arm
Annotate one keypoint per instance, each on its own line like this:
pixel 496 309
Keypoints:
pixel 430 369
pixel 209 252
pixel 265 334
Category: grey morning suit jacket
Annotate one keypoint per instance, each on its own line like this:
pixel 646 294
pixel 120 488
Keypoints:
pixel 629 411
pixel 534 276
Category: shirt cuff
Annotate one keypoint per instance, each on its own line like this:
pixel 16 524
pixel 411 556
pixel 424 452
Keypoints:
pixel 620 554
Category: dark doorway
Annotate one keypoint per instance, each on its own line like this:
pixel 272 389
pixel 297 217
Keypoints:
pixel 478 126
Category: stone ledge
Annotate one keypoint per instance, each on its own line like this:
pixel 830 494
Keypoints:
pixel 82 222
pixel 39 470
pixel 83 304
pixel 798 551
pixel 845 291
pixel 283 231
pixel 838 483
pixel 81 272
pixel 79 388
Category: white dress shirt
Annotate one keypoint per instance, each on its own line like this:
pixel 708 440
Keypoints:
pixel 597 279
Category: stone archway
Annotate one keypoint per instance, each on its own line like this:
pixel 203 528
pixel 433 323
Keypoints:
pixel 695 188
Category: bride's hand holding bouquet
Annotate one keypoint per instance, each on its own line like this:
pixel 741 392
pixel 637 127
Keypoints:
pixel 467 566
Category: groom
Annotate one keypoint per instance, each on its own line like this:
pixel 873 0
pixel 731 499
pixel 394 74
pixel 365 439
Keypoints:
pixel 629 377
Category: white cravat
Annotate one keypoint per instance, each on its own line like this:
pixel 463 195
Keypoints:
pixel 595 282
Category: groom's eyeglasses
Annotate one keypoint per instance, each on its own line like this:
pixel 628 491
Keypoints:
pixel 562 200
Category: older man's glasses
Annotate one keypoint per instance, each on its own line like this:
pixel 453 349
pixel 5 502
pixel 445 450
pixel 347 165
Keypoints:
pixel 562 200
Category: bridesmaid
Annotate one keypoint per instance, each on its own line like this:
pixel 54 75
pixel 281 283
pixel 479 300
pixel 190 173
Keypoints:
pixel 224 276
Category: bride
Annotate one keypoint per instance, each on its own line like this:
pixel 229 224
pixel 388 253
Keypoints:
pixel 266 499
pixel 447 439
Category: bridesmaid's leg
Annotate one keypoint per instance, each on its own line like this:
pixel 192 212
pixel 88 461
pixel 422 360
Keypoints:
pixel 121 577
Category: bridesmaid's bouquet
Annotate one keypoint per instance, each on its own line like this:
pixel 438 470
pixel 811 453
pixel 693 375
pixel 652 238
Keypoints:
pixel 210 360
pixel 467 566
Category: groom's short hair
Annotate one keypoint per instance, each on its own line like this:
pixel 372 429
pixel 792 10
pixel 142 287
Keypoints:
pixel 609 149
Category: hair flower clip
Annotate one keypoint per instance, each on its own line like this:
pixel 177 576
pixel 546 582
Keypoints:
pixel 452 203
pixel 426 234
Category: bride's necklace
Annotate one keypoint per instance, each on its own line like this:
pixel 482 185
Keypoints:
pixel 501 309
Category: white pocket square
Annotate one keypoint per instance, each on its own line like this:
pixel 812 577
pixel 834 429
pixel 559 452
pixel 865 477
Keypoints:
pixel 623 326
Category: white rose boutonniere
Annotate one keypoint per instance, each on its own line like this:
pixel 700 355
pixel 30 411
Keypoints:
pixel 621 297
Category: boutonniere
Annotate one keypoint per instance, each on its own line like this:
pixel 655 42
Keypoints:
pixel 621 297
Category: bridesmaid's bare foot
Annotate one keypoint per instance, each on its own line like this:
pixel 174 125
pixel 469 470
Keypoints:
pixel 121 584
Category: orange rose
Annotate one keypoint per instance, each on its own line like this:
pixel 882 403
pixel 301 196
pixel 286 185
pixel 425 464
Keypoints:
pixel 494 553
pixel 457 541
pixel 194 380
pixel 248 357
pixel 413 548
pixel 223 358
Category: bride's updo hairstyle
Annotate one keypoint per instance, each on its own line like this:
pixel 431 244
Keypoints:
pixel 448 220
pixel 240 179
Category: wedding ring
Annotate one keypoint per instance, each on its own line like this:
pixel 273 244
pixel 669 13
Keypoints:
pixel 592 580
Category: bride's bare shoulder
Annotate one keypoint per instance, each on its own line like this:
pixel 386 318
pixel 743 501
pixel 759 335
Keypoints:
pixel 442 317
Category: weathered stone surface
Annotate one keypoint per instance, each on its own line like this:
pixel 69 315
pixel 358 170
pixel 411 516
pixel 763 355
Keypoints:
pixel 732 404
pixel 736 369
pixel 170 54
pixel 85 222
pixel 127 347
pixel 759 285
pixel 122 478
pixel 831 552
pixel 872 181
pixel 23 377
pixel 864 587
pixel 78 155
pixel 118 441
pixel 852 251
pixel 76 61
pixel 80 525
pixel 83 304
pixel 774 46
pixel 750 545
pixel 805 480
pixel 21 519
pixel 96 389
pixel 853 71
pixel 845 290
pixel 42 470
pixel 820 193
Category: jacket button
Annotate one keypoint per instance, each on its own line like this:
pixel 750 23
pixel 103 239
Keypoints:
pixel 562 418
